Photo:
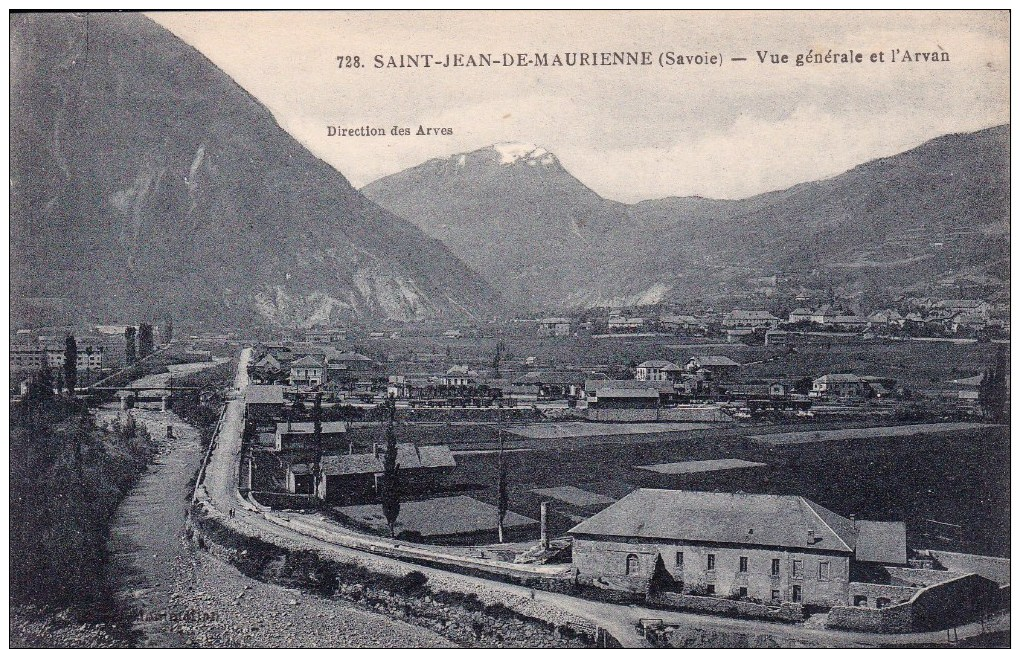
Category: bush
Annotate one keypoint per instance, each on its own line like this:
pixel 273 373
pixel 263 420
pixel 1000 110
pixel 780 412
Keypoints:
pixel 413 582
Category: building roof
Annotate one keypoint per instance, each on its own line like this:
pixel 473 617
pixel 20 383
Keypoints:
pixel 840 378
pixel 628 393
pixel 347 357
pixel 409 456
pixel 662 365
pixel 543 377
pixel 801 311
pixel 961 304
pixel 742 314
pixel 714 361
pixel 307 427
pixel 881 542
pixel 554 321
pixel 309 360
pixel 271 394
pixel 601 386
pixel 447 516
pixel 744 519
pixel 750 519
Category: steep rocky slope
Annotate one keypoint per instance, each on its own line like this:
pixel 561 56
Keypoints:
pixel 144 179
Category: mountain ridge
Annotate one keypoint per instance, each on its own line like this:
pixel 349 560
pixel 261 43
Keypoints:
pixel 146 179
pixel 846 225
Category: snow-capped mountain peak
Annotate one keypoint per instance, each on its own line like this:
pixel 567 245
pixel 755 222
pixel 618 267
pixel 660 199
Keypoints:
pixel 514 152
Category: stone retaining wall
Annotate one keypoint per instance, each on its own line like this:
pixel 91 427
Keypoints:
pixel 785 612
pixel 951 603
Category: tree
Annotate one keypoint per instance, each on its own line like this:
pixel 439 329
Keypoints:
pixel 803 385
pixel 130 350
pixel 317 437
pixel 503 487
pixel 166 332
pixel 992 392
pixel 497 358
pixel 42 386
pixel 391 472
pixel 146 344
pixel 70 364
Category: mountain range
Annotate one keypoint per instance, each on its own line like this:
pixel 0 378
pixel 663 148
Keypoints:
pixel 144 180
pixel 515 214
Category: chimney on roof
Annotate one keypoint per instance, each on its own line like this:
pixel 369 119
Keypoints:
pixel 810 536
pixel 375 449
pixel 853 521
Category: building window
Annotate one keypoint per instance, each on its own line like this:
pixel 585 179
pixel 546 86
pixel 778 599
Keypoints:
pixel 823 571
pixel 679 559
pixel 711 562
pixel 796 594
pixel 775 567
pixel 710 589
pixel 743 564
pixel 633 564
pixel 882 602
pixel 798 568
pixel 742 591
pixel 860 600
pixel 775 595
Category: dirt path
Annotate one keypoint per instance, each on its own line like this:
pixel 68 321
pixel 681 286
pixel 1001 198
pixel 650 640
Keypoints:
pixel 183 597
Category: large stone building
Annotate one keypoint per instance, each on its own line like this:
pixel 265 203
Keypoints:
pixel 764 547
pixel 50 353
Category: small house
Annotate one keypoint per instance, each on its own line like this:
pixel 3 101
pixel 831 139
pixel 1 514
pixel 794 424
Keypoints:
pixel 839 386
pixel 554 327
pixel 657 370
pixel 263 404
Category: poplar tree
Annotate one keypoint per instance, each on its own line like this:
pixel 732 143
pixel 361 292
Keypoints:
pixel 503 487
pixel 70 364
pixel 391 472
pixel 130 349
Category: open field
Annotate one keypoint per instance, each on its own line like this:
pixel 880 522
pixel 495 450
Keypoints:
pixel 589 429
pixel 699 466
pixel 804 437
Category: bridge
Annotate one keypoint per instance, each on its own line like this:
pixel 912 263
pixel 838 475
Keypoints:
pixel 137 393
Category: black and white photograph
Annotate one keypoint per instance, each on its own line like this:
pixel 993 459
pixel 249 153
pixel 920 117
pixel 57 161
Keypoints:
pixel 518 328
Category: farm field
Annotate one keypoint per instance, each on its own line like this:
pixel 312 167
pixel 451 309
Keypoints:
pixel 804 437
pixel 700 466
pixel 588 429
pixel 959 477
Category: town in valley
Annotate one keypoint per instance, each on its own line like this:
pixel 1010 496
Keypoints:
pixel 477 401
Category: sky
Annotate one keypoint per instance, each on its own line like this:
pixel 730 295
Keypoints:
pixel 629 132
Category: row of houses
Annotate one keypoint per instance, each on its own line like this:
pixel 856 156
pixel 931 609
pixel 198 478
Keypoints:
pixel 309 365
